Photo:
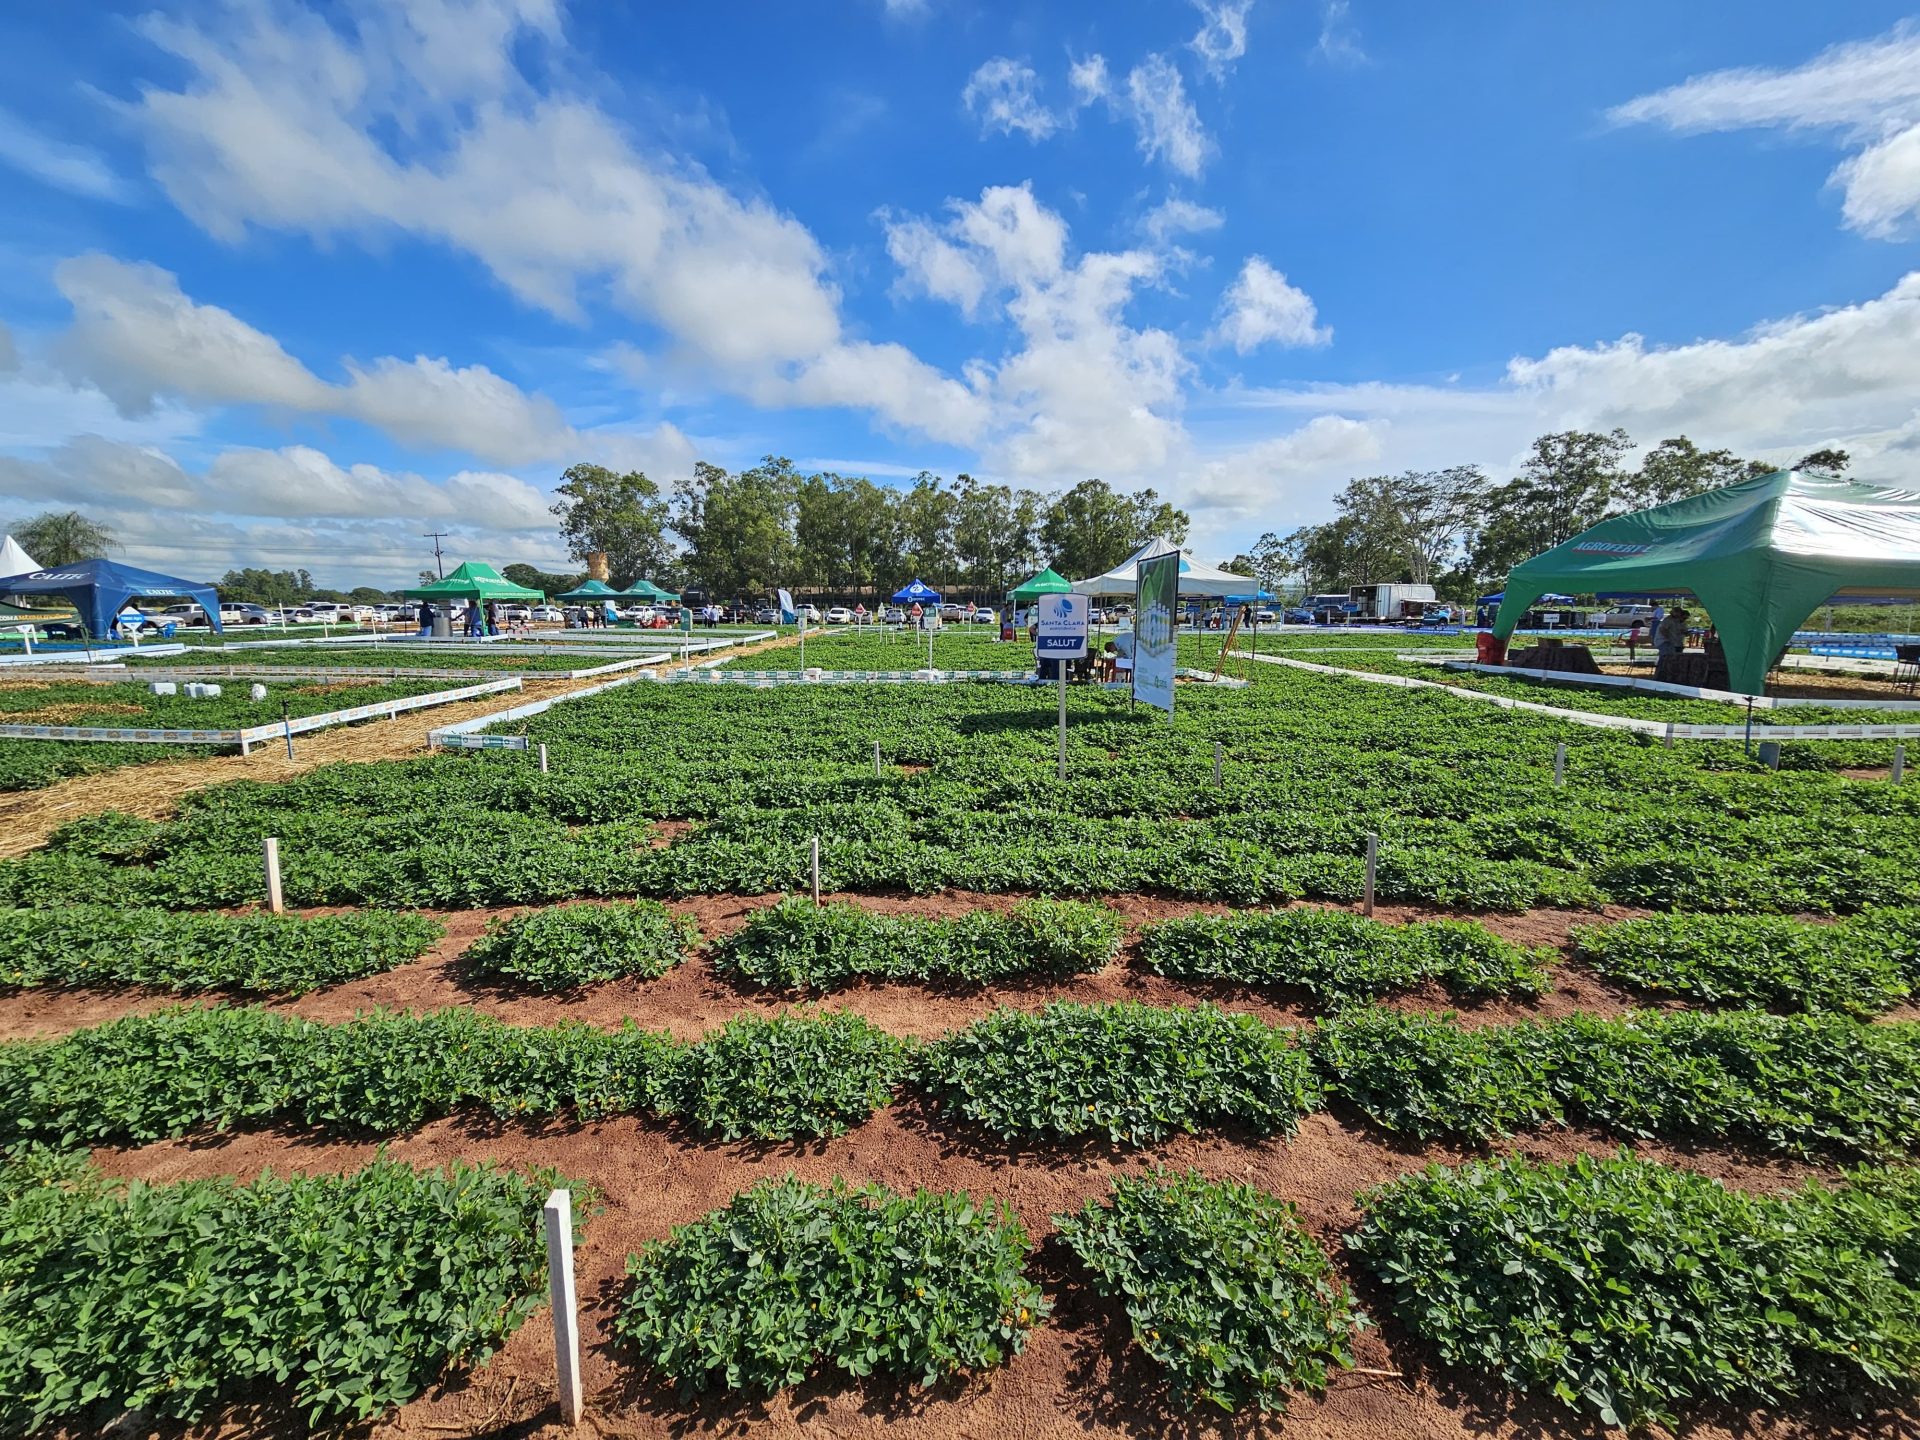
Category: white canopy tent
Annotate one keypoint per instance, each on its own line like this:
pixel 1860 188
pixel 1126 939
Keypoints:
pixel 1196 580
pixel 14 560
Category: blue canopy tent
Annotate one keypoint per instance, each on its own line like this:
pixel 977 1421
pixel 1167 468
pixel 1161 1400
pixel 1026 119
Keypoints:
pixel 916 594
pixel 100 590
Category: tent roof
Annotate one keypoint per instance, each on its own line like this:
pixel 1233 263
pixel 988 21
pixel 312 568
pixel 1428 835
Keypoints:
pixel 475 580
pixel 917 591
pixel 1047 582
pixel 14 560
pixel 1195 579
pixel 100 589
pixel 1761 555
pixel 590 590
pixel 648 591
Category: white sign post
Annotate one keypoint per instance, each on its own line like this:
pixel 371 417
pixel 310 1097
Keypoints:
pixel 566 1314
pixel 1061 635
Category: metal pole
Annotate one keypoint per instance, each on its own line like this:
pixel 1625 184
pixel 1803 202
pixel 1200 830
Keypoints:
pixel 1373 861
pixel 876 759
pixel 270 858
pixel 543 759
pixel 1748 742
pixel 566 1313
pixel 1899 763
pixel 286 725
pixel 816 870
pixel 1559 764
pixel 1669 734
pixel 1062 671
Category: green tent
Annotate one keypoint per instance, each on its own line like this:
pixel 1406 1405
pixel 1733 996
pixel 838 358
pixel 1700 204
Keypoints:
pixel 1761 556
pixel 474 580
pixel 1045 583
pixel 648 593
pixel 592 591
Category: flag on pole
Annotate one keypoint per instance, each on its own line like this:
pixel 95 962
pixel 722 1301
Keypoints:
pixel 788 615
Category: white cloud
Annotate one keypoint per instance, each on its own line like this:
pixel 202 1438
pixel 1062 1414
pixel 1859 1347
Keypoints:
pixel 932 265
pixel 137 336
pixel 1868 90
pixel 421 120
pixel 1222 37
pixel 1083 392
pixel 72 168
pixel 1339 37
pixel 1174 216
pixel 1004 96
pixel 1261 307
pixel 1169 126
pixel 1245 481
pixel 1088 80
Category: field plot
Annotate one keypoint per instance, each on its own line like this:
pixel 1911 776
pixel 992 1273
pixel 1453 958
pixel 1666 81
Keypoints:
pixel 30 764
pixel 1082 1107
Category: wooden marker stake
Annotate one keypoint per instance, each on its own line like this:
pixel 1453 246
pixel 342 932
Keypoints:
pixel 270 856
pixel 566 1314
pixel 1373 863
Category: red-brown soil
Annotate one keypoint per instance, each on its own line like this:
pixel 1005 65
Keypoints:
pixel 1076 1376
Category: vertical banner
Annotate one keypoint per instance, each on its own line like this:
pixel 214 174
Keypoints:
pixel 788 615
pixel 1156 605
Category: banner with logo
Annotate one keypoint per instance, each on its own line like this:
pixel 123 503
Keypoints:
pixel 788 615
pixel 1155 609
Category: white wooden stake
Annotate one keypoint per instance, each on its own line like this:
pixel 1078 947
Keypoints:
pixel 1559 764
pixel 816 870
pixel 1373 861
pixel 876 759
pixel 566 1314
pixel 1669 734
pixel 270 857
pixel 1216 765
pixel 543 759
pixel 1899 763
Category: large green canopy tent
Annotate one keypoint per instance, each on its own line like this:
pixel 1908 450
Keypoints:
pixel 592 591
pixel 1761 556
pixel 648 593
pixel 474 580
pixel 1045 583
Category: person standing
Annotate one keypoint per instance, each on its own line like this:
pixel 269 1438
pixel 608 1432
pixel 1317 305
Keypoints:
pixel 1670 637
pixel 426 617
pixel 493 618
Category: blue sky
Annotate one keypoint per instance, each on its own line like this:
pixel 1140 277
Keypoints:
pixel 289 286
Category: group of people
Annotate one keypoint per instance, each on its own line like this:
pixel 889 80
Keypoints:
pixel 1670 632
pixel 475 621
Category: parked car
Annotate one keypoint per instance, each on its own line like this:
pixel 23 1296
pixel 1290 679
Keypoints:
pixel 1623 617
pixel 839 615
pixel 1296 616
pixel 515 611
pixel 233 614
pixel 984 616
pixel 1265 617
pixel 766 615
pixel 894 615
pixel 547 614
pixel 188 614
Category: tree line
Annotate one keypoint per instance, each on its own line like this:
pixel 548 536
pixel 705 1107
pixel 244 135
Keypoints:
pixel 1460 531
pixel 742 534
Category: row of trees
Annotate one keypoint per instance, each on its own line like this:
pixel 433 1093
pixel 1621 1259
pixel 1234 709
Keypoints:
pixel 1459 531
pixel 743 533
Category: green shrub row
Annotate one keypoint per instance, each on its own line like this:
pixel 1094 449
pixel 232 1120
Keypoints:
pixel 258 953
pixel 1338 957
pixel 1857 966
pixel 1132 1074
pixel 342 1295
pixel 149 1077
pixel 573 945
pixel 1223 1290
pixel 1798 1084
pixel 1637 1292
pixel 796 945
pixel 792 1277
